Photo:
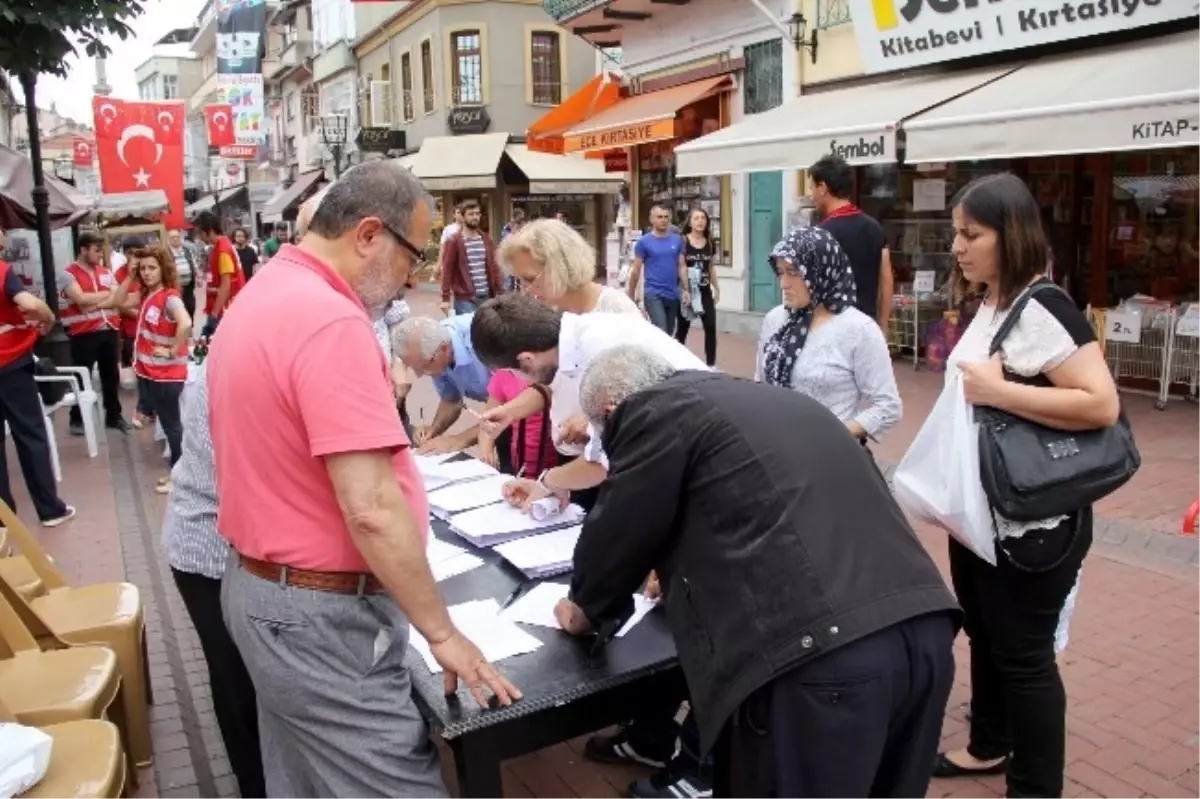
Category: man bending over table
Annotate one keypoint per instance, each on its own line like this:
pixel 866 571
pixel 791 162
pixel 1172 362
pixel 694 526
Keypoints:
pixel 813 629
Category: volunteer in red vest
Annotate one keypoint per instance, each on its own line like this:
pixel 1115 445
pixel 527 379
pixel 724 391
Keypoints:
pixel 129 310
pixel 22 317
pixel 160 351
pixel 225 277
pixel 93 327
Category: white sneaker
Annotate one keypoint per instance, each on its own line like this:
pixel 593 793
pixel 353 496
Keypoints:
pixel 66 517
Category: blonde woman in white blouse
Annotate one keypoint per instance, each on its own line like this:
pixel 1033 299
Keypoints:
pixel 554 264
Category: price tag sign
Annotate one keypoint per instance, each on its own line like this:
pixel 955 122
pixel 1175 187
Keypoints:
pixel 1189 324
pixel 1122 326
pixel 923 281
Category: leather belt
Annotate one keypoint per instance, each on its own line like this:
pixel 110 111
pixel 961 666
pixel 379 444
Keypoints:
pixel 333 582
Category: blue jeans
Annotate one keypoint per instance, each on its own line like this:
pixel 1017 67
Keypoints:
pixel 663 312
pixel 465 306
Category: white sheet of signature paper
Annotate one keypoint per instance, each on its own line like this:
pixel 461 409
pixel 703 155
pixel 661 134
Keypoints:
pixel 495 524
pixel 459 497
pixel 480 621
pixel 536 607
pixel 545 554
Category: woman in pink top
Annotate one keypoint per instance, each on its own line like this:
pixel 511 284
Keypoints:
pixel 532 450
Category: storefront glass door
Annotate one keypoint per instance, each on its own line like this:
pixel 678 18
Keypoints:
pixel 766 227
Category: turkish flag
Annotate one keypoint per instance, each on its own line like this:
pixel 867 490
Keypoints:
pixel 220 125
pixel 140 147
pixel 82 155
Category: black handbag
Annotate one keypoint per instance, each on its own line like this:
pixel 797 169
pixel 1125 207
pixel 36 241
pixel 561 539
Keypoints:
pixel 1032 472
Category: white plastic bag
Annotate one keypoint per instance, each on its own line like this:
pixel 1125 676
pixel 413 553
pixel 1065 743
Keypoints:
pixel 24 758
pixel 937 481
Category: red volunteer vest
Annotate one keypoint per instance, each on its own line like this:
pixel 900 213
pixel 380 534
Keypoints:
pixel 17 336
pixel 223 247
pixel 128 323
pixel 78 321
pixel 156 330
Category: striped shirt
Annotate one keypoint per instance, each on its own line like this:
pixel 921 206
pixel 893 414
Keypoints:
pixel 397 311
pixel 190 541
pixel 477 263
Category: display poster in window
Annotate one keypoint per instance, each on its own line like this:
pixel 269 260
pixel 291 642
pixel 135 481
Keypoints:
pixel 929 194
pixel 1122 326
pixel 239 40
pixel 1189 323
pixel 22 252
pixel 244 96
pixel 901 34
pixel 924 281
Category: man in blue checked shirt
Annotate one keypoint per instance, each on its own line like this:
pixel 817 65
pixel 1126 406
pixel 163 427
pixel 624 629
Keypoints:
pixel 442 350
pixel 197 554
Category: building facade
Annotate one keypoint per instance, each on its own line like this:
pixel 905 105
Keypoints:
pixel 695 67
pixel 60 136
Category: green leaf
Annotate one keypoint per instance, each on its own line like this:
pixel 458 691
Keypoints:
pixel 40 35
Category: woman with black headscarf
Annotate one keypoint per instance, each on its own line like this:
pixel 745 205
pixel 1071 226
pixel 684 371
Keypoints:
pixel 819 344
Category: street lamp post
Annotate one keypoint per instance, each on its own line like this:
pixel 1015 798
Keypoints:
pixel 333 135
pixel 54 343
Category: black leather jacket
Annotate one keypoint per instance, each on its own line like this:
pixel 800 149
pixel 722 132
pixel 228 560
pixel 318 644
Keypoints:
pixel 774 536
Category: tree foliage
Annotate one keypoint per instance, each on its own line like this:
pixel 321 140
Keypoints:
pixel 39 35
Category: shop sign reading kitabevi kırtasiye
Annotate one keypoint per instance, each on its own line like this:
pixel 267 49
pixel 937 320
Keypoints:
pixel 899 34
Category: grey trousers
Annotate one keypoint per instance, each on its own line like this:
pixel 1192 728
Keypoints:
pixel 335 710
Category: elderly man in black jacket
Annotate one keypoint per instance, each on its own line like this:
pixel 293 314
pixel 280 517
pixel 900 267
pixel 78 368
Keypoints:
pixel 813 629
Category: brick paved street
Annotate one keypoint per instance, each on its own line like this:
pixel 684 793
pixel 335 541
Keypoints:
pixel 1130 668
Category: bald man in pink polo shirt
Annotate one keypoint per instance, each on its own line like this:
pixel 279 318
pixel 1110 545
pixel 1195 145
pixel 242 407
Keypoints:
pixel 324 506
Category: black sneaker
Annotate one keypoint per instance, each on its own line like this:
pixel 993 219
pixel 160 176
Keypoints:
pixel 670 785
pixel 121 424
pixel 616 748
pixel 75 428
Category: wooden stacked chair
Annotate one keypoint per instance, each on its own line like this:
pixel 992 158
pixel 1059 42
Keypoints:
pixel 105 614
pixel 87 761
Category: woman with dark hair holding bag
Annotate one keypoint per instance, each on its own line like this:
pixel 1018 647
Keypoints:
pixel 705 292
pixel 1057 379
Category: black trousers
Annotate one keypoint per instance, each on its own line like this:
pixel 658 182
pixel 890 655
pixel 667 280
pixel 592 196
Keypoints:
pixel 232 690
pixel 1010 615
pixel 143 403
pixel 188 293
pixel 162 396
pixel 100 349
pixel 708 319
pixel 21 409
pixel 862 720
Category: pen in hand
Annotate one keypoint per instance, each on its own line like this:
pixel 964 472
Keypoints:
pixel 520 589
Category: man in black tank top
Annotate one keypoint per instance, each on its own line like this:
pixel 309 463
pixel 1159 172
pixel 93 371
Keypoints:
pixel 860 236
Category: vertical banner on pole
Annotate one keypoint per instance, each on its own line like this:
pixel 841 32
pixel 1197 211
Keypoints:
pixel 241 29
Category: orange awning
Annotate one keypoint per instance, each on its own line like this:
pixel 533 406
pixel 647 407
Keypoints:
pixel 641 119
pixel 598 94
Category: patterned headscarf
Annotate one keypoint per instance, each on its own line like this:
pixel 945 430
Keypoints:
pixel 820 261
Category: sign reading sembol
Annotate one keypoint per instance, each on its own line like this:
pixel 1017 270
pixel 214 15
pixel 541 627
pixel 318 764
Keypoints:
pixel 899 34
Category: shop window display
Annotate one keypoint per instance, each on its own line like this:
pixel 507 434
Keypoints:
pixel 1153 240
pixel 659 185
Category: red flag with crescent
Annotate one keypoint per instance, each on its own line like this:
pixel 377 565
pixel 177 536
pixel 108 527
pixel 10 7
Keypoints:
pixel 140 148
pixel 81 155
pixel 220 125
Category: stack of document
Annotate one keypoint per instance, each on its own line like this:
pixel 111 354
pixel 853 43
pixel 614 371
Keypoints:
pixel 437 475
pixel 536 607
pixel 544 555
pixel 447 560
pixel 495 524
pixel 480 622
pixel 459 497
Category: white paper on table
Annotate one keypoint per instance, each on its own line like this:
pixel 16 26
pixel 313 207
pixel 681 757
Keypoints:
pixel 538 552
pixel 439 550
pixel 441 474
pixel 495 521
pixel 536 606
pixel 459 564
pixel 469 495
pixel 480 622
pixel 425 462
pixel 642 605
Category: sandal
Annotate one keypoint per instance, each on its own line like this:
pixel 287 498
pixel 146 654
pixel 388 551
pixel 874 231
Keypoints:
pixel 945 767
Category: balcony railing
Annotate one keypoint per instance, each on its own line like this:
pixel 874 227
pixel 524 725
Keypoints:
pixel 568 9
pixel 831 13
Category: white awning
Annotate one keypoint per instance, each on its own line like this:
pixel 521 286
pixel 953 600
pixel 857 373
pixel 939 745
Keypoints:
pixel 290 197
pixel 452 163
pixel 859 123
pixel 562 174
pixel 133 203
pixel 1129 97
pixel 205 203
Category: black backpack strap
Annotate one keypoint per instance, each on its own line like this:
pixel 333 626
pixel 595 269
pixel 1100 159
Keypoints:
pixel 1014 315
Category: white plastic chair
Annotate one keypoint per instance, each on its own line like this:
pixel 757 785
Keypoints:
pixel 88 404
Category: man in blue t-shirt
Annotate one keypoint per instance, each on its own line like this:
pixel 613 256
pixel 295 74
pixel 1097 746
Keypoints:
pixel 659 254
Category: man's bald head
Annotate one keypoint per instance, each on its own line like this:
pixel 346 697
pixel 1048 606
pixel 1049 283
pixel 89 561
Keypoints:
pixel 305 215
